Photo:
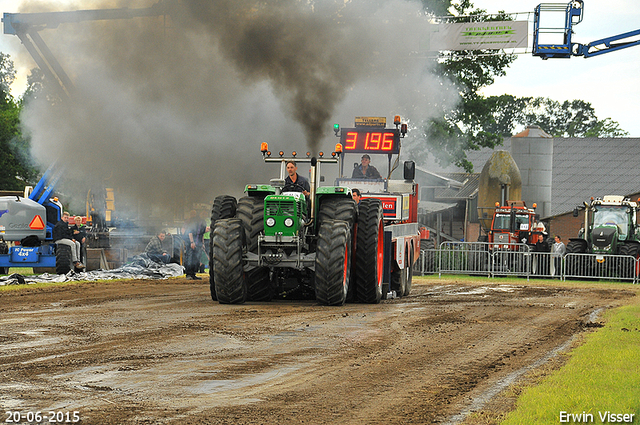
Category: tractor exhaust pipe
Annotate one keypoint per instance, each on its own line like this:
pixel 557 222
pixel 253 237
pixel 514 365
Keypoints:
pixel 313 183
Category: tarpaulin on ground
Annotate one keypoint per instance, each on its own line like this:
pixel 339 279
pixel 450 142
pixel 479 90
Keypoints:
pixel 141 267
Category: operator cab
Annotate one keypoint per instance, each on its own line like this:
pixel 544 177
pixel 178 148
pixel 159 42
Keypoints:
pixel 366 148
pixel 370 154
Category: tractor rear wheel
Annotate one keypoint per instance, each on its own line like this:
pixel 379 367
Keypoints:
pixel 341 208
pixel 224 206
pixel 251 212
pixel 231 287
pixel 369 252
pixel 63 259
pixel 333 263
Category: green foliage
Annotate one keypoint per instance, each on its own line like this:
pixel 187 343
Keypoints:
pixel 15 159
pixel 472 125
pixel 7 74
pixel 575 118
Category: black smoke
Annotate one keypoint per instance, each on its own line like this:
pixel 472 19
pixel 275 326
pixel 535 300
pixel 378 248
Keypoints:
pixel 173 108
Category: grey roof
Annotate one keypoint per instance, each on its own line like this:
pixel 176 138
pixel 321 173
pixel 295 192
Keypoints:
pixel 585 167
pixel 470 183
pixel 588 167
pixel 449 187
pixel 432 207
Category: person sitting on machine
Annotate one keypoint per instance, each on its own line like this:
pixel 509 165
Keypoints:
pixel 295 182
pixel 62 235
pixel 365 170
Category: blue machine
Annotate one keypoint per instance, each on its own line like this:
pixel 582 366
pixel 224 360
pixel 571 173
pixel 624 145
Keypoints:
pixel 30 220
pixel 554 40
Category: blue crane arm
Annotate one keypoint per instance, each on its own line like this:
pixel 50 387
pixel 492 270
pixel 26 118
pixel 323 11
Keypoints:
pixel 46 185
pixel 606 45
pixel 42 183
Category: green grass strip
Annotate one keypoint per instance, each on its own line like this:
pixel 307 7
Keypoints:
pixel 601 377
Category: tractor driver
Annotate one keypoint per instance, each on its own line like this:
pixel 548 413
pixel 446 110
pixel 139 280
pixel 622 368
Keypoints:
pixel 294 181
pixel 365 170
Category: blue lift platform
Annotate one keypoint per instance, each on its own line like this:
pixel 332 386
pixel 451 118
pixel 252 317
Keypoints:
pixel 555 41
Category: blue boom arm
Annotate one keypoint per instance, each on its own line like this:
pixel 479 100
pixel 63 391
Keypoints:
pixel 555 41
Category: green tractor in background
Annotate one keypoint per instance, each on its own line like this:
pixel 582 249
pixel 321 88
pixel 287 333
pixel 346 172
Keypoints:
pixel 610 228
pixel 277 242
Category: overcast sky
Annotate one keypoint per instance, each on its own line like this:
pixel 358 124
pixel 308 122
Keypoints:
pixel 608 82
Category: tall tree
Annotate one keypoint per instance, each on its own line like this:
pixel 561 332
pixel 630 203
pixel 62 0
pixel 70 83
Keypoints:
pixel 471 126
pixel 15 159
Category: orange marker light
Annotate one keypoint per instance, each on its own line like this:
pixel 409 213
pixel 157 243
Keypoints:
pixel 396 120
pixel 281 153
pixel 264 147
pixel 535 205
pixel 321 154
pixel 294 153
pixel 497 204
pixel 338 147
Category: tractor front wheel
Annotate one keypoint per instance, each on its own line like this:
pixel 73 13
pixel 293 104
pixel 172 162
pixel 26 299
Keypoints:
pixel 577 265
pixel 629 267
pixel 333 263
pixel 230 284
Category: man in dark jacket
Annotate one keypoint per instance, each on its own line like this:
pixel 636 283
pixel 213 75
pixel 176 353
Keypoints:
pixel 195 229
pixel 62 235
pixel 365 170
pixel 294 181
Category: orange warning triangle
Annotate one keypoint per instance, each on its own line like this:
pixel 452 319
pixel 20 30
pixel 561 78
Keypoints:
pixel 36 223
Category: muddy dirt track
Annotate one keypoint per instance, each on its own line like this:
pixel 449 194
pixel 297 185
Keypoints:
pixel 162 352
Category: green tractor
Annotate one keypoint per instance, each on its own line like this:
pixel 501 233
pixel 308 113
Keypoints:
pixel 610 228
pixel 279 242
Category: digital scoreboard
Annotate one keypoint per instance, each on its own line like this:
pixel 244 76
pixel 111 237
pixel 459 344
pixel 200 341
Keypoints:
pixel 370 140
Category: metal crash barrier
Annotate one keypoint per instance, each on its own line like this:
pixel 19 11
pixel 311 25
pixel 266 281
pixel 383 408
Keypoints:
pixel 607 267
pixel 479 258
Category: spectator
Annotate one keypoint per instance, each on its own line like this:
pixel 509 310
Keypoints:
pixel 365 170
pixel 557 252
pixel 155 250
pixel 194 231
pixel 62 235
pixel 355 194
pixel 206 239
pixel 79 234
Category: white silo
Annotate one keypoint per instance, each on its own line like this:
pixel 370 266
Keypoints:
pixel 533 152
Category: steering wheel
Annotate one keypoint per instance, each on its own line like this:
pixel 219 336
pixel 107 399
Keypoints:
pixel 293 187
